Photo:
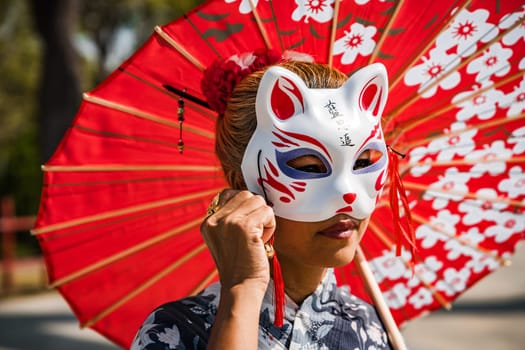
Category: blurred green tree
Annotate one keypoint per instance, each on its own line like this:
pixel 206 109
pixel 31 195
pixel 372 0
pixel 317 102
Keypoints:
pixel 50 51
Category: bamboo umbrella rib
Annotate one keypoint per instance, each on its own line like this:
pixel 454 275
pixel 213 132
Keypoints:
pixel 191 105
pixel 467 195
pixel 140 114
pixel 333 30
pixel 260 26
pixel 129 167
pixel 430 42
pixel 423 119
pixel 204 282
pixel 135 180
pixel 511 160
pixel 386 30
pixel 502 261
pixel 125 253
pixel 172 145
pixel 445 75
pixel 383 237
pixel 100 226
pixel 480 126
pixel 154 279
pixel 120 212
pixel 179 48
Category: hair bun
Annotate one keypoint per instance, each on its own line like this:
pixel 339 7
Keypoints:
pixel 221 77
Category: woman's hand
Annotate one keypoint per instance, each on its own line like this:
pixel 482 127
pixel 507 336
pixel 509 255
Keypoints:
pixel 235 235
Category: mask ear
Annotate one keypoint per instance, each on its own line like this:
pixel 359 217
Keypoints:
pixel 368 89
pixel 281 95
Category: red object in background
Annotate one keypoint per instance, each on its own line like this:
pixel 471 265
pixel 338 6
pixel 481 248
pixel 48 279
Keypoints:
pixel 121 207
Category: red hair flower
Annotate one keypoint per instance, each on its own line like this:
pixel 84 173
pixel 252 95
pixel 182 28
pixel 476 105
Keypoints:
pixel 223 75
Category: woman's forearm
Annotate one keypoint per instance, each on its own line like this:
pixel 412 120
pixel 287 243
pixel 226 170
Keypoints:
pixel 236 323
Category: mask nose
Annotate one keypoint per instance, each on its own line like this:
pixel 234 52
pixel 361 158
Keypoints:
pixel 349 198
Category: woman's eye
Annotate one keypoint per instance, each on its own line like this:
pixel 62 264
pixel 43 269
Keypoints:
pixel 367 158
pixel 308 164
pixel 362 163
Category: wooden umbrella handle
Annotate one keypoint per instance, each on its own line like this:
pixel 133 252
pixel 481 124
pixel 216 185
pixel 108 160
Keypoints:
pixel 384 312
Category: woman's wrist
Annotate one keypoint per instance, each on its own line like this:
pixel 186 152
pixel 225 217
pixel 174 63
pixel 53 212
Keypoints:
pixel 236 323
pixel 249 293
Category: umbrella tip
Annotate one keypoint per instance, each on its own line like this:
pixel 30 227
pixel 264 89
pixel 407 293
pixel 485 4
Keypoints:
pixel 506 262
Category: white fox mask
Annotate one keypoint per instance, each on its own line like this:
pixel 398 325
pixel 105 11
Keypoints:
pixel 339 127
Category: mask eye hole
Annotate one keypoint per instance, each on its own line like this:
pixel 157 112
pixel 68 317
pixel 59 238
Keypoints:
pixel 303 164
pixel 367 158
pixel 308 164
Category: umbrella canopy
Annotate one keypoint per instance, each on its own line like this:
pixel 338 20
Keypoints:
pixel 121 204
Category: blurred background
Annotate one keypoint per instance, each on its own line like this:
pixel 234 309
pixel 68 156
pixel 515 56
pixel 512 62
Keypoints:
pixel 53 50
pixel 50 52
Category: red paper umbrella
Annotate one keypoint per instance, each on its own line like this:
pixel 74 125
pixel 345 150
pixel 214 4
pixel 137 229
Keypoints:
pixel 121 205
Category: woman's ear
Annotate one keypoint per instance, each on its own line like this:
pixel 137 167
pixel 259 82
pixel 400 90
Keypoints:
pixel 281 96
pixel 368 89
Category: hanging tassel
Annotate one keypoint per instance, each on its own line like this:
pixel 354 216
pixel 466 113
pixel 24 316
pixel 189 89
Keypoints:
pixel 278 285
pixel 180 113
pixel 397 194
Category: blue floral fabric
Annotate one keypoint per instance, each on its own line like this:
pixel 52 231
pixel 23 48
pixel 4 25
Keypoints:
pixel 330 318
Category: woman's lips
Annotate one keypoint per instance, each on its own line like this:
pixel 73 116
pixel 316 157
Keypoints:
pixel 341 230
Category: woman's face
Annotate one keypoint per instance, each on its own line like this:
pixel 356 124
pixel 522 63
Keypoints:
pixel 327 243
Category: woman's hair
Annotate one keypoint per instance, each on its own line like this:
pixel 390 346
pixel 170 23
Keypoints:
pixel 235 127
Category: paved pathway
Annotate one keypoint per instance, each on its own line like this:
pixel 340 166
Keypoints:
pixel 489 316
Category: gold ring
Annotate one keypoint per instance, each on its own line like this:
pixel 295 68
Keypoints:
pixel 214 205
pixel 270 252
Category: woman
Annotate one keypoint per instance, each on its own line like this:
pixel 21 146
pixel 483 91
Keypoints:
pixel 302 149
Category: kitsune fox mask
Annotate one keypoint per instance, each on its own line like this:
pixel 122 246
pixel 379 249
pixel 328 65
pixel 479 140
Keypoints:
pixel 339 127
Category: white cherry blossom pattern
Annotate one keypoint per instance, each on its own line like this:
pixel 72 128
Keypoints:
pixel 245 6
pixel 453 281
pixel 454 143
pixel 517 33
pixel 490 159
pixel 483 260
pixel 319 10
pixel 465 31
pixel 482 105
pixel 516 99
pixel 434 67
pixel 452 186
pixel 514 185
pixel 507 225
pixel 465 245
pixel 484 207
pixel 364 2
pixel 517 139
pixel 441 228
pixel 422 297
pixel 396 297
pixel 388 265
pixel 424 272
pixel 356 41
pixel 493 61
pixel 416 155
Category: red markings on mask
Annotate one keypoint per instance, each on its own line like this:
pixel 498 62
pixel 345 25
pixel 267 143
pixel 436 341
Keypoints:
pixel 286 99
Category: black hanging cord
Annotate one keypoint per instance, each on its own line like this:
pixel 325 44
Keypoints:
pixel 185 95
pixel 260 175
pixel 402 155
